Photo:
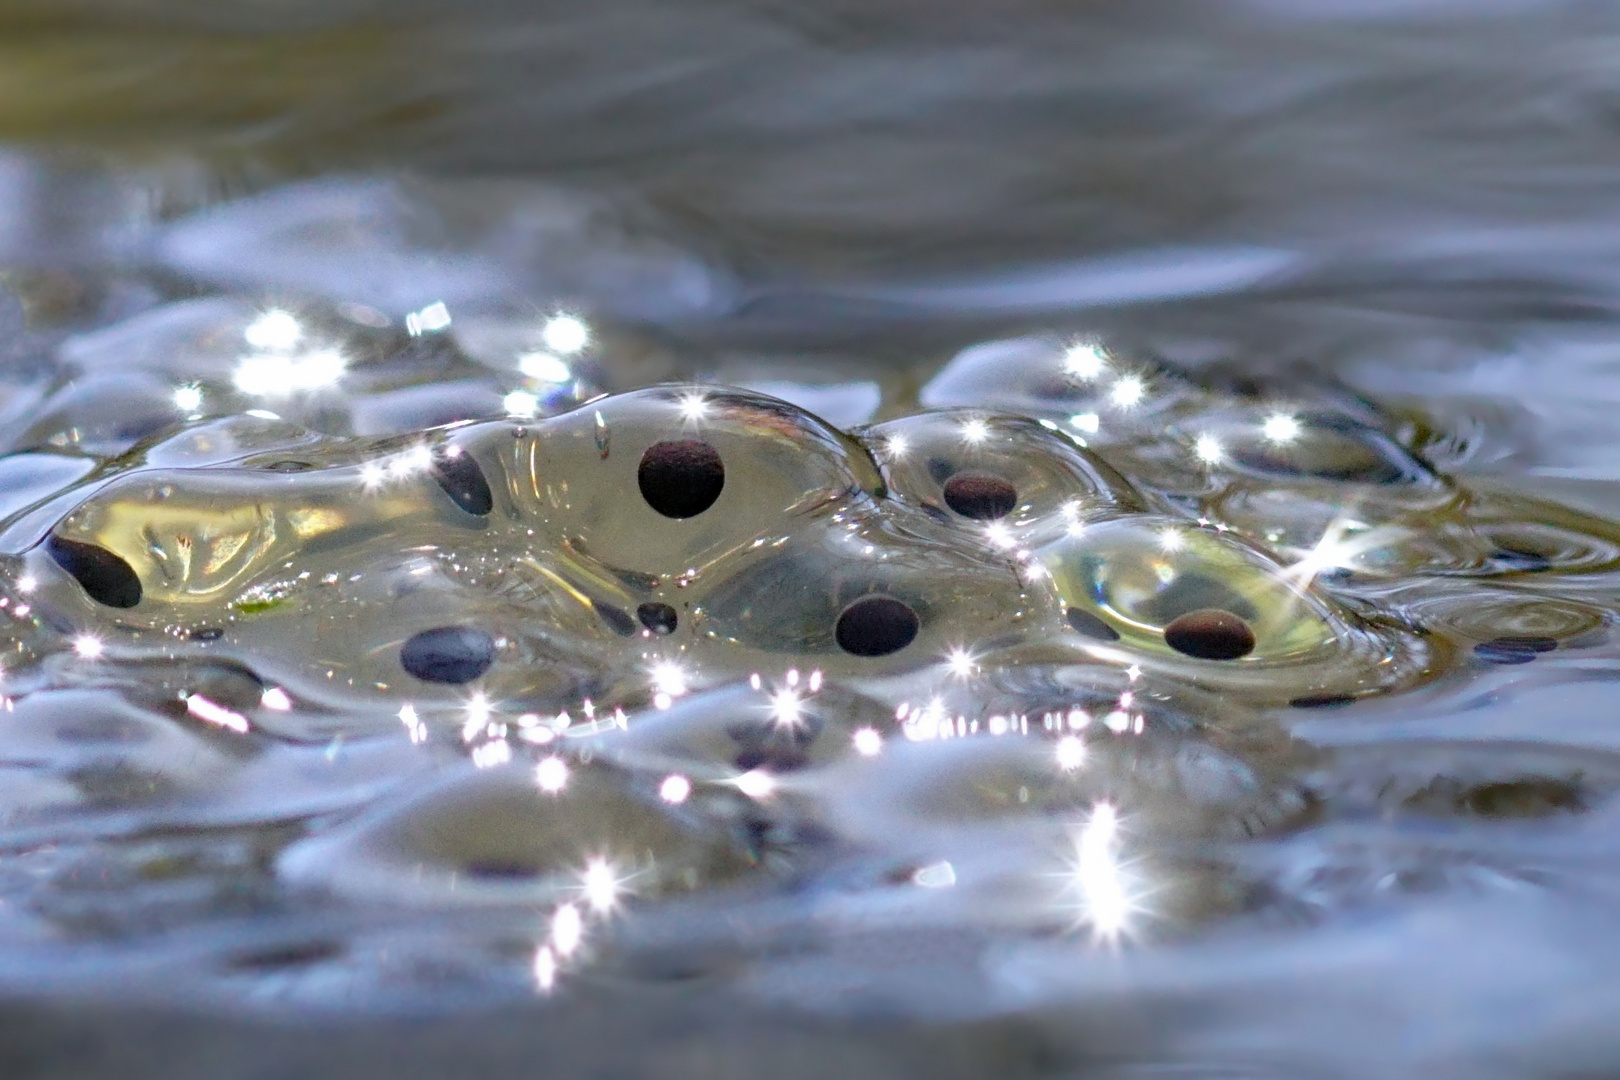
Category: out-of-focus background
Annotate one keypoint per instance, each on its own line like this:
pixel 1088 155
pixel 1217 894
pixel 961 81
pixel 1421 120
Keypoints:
pixel 1406 183
pixel 1420 197
pixel 1455 159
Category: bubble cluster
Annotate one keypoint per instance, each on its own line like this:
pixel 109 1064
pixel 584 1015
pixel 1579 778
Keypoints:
pixel 1025 657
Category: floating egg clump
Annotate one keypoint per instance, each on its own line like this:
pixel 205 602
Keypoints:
pixel 1035 656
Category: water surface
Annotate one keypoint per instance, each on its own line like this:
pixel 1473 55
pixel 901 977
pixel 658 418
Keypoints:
pixel 1097 555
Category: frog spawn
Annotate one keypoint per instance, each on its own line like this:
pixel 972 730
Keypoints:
pixel 1300 465
pixel 512 573
pixel 704 531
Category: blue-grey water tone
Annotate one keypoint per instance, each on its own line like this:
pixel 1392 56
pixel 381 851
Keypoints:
pixel 745 539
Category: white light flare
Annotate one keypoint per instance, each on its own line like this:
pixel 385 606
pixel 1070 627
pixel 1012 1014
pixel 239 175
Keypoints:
pixel 975 432
pixel 213 713
pixel 895 447
pixel 565 334
pixel 189 398
pixel 478 713
pixel 675 789
pixel 1208 449
pixel 1085 360
pixel 1000 535
pixel 694 407
pixel 1097 874
pixel 1128 391
pixel 276 700
pixel 521 405
pixel 868 742
pixel 960 663
pixel 1342 543
pixel 413 724
pixel 601 886
pixel 787 707
pixel 430 320
pixel 418 459
pixel 756 784
pixel 545 969
pixel 567 930
pixel 551 775
pixel 88 646
pixel 1280 428
pixel 544 367
pixel 272 374
pixel 1071 753
pixel 668 682
pixel 274 331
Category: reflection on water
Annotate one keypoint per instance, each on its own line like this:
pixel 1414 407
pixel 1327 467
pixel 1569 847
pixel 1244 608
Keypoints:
pixel 1086 536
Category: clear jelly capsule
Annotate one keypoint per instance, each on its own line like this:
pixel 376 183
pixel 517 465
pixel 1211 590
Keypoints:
pixel 664 481
pixel 1100 391
pixel 556 832
pixel 104 415
pixel 339 369
pixel 1282 444
pixel 925 793
pixel 792 720
pixel 850 593
pixel 1008 478
pixel 1376 531
pixel 112 753
pixel 1213 607
pixel 1481 781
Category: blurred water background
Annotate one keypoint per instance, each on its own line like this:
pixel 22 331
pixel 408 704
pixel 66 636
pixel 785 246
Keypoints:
pixel 1419 197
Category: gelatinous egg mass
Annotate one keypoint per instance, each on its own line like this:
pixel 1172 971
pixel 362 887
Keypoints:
pixel 373 626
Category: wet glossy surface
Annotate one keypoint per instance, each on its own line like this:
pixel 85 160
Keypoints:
pixel 691 648
pixel 738 538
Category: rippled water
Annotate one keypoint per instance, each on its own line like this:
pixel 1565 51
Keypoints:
pixel 748 540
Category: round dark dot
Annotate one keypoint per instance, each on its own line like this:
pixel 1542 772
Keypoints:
pixel 301 954
pixel 981 497
pixel 1322 701
pixel 1514 649
pixel 778 759
pixel 876 626
pixel 289 466
pixel 105 578
pixel 659 618
pixel 1527 642
pixel 459 474
pixel 681 478
pixel 1210 634
pixel 500 870
pixel 1090 625
pixel 448 654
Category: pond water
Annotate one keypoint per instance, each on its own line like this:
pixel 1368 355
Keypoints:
pixel 743 539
